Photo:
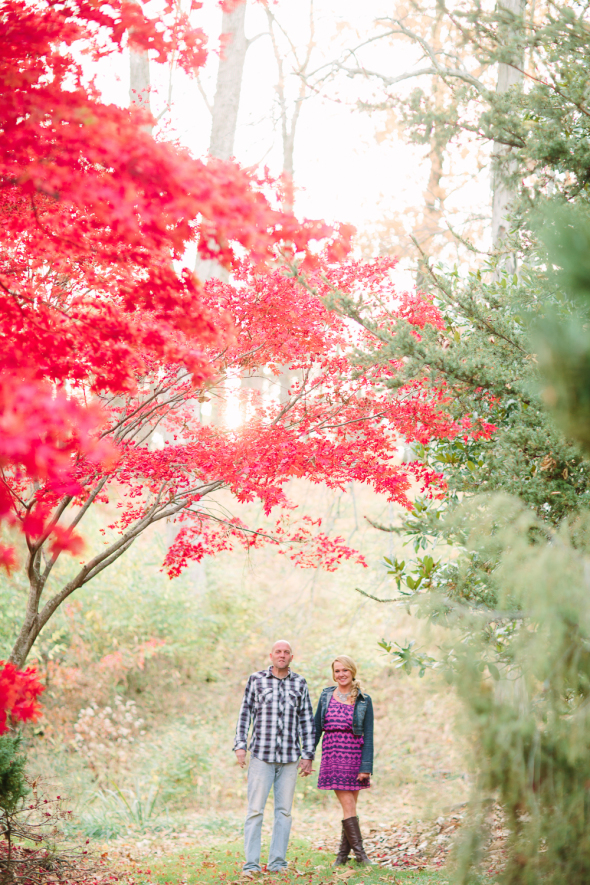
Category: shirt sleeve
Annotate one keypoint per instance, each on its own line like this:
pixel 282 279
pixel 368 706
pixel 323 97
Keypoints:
pixel 245 717
pixel 306 726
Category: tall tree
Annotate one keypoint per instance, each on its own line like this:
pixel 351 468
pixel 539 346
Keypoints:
pixel 425 92
pixel 139 74
pixel 226 103
pixel 292 63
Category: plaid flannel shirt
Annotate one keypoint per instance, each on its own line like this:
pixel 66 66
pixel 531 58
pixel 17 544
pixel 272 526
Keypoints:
pixel 282 717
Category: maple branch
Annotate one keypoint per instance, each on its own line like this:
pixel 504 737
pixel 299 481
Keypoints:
pixel 288 406
pixel 352 421
pixel 118 547
pixel 237 528
pixel 243 356
pixel 130 425
pixel 156 393
pixel 47 232
pixel 87 504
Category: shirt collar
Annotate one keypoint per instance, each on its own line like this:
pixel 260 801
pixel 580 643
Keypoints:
pixel 270 675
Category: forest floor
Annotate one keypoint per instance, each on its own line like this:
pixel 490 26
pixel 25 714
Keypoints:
pixel 420 853
pixel 189 864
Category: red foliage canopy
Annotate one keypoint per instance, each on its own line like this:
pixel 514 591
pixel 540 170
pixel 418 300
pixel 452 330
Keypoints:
pixel 93 215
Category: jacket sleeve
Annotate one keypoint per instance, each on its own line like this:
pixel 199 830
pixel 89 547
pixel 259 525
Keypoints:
pixel 306 726
pixel 367 757
pixel 245 717
pixel 318 722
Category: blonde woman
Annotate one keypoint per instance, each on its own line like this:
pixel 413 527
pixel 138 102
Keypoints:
pixel 345 717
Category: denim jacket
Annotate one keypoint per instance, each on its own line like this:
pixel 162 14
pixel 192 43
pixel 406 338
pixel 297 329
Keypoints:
pixel 362 723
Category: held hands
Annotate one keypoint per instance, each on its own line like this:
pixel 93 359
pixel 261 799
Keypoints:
pixel 363 776
pixel 305 767
pixel 241 758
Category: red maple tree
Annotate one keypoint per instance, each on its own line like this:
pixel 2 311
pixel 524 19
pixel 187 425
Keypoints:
pixel 93 216
pixel 104 340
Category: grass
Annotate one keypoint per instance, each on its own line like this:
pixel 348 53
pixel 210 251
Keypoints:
pixel 223 864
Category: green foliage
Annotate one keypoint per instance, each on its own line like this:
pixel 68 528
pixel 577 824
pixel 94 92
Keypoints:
pixel 528 699
pixel 407 657
pixel 543 120
pixel 13 786
pixel 184 761
pixel 511 541
pixel 563 343
pixel 518 592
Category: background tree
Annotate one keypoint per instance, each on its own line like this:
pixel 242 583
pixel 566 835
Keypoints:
pixel 436 224
pixel 513 591
pixel 485 358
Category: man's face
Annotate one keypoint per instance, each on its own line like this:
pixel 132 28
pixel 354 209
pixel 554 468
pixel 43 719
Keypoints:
pixel 281 655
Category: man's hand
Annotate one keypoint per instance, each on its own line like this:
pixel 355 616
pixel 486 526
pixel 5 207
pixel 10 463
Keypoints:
pixel 305 767
pixel 363 776
pixel 241 758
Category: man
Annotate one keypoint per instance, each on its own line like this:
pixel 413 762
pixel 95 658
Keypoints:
pixel 277 702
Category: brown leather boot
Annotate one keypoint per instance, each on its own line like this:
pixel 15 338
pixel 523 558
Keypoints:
pixel 355 840
pixel 343 850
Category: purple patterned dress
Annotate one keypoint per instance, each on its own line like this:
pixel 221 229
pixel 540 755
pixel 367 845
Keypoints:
pixel 341 750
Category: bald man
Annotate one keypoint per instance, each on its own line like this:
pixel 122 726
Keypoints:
pixel 276 701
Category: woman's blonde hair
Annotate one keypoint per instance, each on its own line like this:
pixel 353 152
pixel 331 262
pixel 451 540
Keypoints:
pixel 350 665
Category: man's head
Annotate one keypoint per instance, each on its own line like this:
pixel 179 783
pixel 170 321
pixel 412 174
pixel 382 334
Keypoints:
pixel 281 654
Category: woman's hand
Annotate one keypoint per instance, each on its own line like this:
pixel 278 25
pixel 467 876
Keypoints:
pixel 363 776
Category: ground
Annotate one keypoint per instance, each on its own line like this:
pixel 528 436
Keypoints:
pixel 189 864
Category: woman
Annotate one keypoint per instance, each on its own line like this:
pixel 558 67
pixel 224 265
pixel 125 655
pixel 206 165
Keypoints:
pixel 345 717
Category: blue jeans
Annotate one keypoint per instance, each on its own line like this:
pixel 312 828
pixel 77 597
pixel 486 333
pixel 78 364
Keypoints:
pixel 261 777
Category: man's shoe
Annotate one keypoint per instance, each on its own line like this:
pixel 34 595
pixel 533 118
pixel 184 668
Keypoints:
pixel 343 850
pixel 250 874
pixel 353 834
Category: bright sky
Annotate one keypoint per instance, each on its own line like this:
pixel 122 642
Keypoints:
pixel 343 173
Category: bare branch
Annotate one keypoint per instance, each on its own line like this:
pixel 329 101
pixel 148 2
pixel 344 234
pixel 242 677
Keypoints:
pixel 379 527
pixel 204 95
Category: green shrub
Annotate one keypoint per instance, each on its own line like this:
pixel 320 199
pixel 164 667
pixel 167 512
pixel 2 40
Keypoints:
pixel 13 786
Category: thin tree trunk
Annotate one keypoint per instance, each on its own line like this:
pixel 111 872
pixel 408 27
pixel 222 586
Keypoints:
pixel 139 82
pixel 139 79
pixel 226 104
pixel 290 119
pixel 503 167
pixel 229 84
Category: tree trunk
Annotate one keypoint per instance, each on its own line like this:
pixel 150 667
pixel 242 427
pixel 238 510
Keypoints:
pixel 139 82
pixel 229 84
pixel 139 79
pixel 503 167
pixel 226 104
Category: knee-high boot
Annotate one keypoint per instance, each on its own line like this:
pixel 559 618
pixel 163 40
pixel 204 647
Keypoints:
pixel 343 849
pixel 355 840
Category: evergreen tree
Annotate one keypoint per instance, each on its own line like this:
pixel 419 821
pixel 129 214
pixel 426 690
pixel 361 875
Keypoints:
pixel 515 354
